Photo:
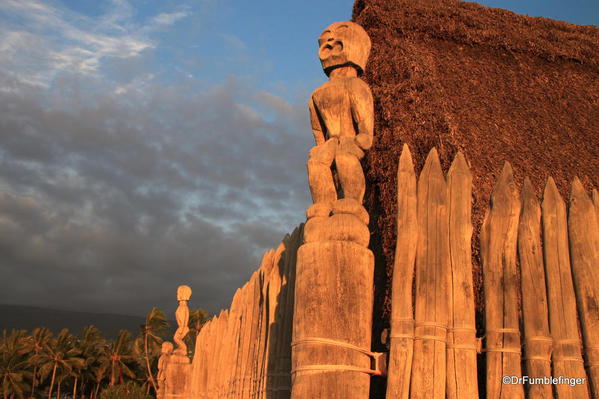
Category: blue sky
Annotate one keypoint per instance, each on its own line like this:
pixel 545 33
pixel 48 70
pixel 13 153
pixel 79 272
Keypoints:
pixel 147 144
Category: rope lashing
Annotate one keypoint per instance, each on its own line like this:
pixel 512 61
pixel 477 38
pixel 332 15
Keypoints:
pixel 334 367
pixel 326 341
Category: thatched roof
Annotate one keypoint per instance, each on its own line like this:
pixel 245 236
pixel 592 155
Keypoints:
pixel 493 84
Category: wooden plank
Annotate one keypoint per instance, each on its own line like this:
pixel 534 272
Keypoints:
pixel 257 300
pixel 567 358
pixel 584 252
pixel 278 346
pixel 432 284
pixel 402 310
pixel 498 248
pixel 234 322
pixel 269 275
pixel 462 381
pixel 287 299
pixel 248 333
pixel 203 378
pixel 222 346
pixel 237 381
pixel 267 317
pixel 213 358
pixel 534 297
pixel 198 364
pixel 270 294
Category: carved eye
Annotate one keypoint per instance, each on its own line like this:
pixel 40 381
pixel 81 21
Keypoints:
pixel 326 35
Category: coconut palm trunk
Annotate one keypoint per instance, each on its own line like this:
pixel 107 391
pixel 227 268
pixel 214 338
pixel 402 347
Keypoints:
pixel 148 361
pixel 75 389
pixel 58 391
pixel 112 371
pixel 52 380
pixel 33 380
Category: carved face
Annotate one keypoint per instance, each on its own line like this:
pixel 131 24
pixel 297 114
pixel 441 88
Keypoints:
pixel 344 43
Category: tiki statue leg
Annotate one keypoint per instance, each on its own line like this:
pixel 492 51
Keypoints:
pixel 351 175
pixel 320 176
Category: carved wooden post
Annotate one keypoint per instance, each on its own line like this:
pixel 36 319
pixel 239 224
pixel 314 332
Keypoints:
pixel 334 282
pixel 178 369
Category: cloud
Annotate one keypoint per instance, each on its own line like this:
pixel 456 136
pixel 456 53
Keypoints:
pixel 108 205
pixel 234 41
pixel 117 184
pixel 41 41
pixel 165 19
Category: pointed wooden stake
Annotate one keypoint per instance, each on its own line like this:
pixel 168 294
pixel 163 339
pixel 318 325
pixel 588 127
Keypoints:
pixel 567 358
pixel 498 245
pixel 432 284
pixel 537 337
pixel 461 345
pixel 402 313
pixel 584 252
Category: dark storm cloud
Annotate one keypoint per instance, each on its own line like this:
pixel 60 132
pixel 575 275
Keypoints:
pixel 108 202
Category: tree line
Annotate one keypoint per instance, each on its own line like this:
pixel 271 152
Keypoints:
pixel 40 365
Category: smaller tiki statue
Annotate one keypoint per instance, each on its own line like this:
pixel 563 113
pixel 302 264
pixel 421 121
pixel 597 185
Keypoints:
pixel 182 316
pixel 167 351
pixel 341 113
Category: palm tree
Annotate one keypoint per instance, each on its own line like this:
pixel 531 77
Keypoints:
pixel 92 347
pixel 119 357
pixel 61 356
pixel 36 341
pixel 75 364
pixel 155 326
pixel 14 364
pixel 99 372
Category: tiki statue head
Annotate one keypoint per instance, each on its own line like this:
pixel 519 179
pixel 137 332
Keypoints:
pixel 183 293
pixel 344 44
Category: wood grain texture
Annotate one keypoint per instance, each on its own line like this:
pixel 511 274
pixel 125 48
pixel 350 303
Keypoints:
pixel 333 301
pixel 563 322
pixel 402 309
pixel 498 248
pixel 462 379
pixel 583 232
pixel 432 284
pixel 537 337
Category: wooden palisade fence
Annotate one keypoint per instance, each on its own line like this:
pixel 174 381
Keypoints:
pixel 540 263
pixel 532 312
pixel 245 352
